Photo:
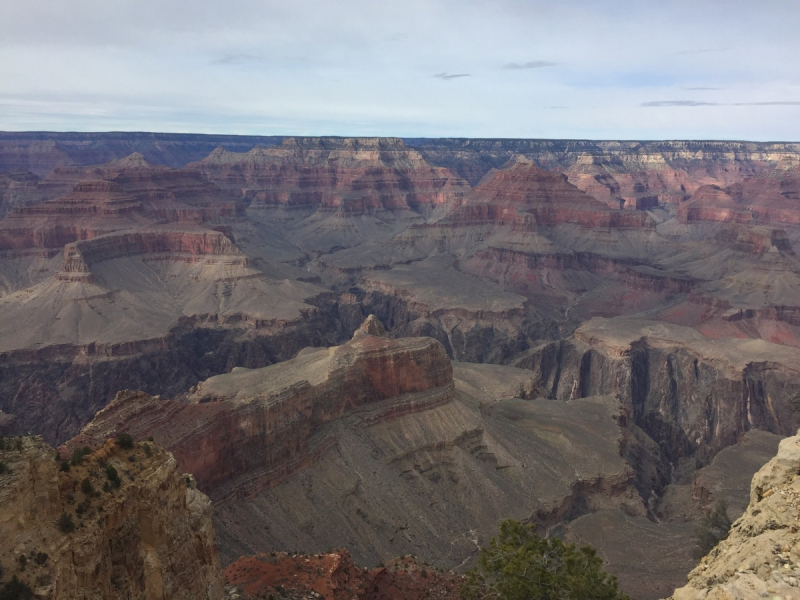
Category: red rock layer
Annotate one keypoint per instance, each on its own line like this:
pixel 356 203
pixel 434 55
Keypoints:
pixel 78 256
pixel 223 441
pixel 755 201
pixel 352 175
pixel 120 195
pixel 496 263
pixel 334 576
pixel 526 196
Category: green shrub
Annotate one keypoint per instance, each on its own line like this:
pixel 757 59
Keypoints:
pixel 86 487
pixel 65 523
pixel 518 565
pixel 125 440
pixel 41 558
pixel 15 590
pixel 113 476
pixel 64 466
pixel 78 454
pixel 23 560
pixel 3 468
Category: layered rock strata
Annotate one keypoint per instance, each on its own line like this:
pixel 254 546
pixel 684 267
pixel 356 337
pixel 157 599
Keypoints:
pixel 281 408
pixel 691 394
pixel 354 175
pixel 377 446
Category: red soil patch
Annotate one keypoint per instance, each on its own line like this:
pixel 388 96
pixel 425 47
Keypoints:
pixel 334 576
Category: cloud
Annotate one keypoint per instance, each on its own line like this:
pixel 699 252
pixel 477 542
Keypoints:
pixel 701 51
pixel 533 64
pixel 662 103
pixel 237 59
pixel 658 103
pixel 355 67
pixel 775 103
pixel 447 76
pixel 700 89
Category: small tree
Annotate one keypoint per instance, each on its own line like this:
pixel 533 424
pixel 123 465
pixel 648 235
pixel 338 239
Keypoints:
pixel 65 523
pixel 125 440
pixel 520 565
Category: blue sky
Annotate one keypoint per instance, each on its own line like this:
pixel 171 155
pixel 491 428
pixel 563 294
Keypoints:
pixel 609 69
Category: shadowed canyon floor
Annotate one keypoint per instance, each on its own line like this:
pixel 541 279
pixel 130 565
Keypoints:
pixel 603 337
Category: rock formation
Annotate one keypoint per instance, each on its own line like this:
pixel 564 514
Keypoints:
pixel 759 557
pixel 116 523
pixel 281 408
pixel 333 192
pixel 364 414
pixel 383 446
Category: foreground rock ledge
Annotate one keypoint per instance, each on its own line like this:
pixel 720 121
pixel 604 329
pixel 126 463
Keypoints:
pixel 85 538
pixel 761 557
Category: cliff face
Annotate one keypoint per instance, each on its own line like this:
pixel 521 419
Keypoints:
pixel 759 557
pixel 123 194
pixel 354 176
pixel 526 195
pixel 623 174
pixel 766 200
pixel 219 434
pixel 332 192
pixel 691 395
pixel 83 534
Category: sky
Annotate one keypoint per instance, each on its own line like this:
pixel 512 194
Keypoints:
pixel 596 69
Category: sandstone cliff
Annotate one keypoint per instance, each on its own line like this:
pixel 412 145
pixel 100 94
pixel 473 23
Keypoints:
pixel 759 559
pixel 117 523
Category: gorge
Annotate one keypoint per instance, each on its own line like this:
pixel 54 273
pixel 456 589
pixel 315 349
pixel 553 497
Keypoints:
pixel 390 344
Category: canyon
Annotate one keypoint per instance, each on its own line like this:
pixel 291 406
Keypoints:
pixel 390 344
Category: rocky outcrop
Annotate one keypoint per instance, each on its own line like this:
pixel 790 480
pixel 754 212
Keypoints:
pixel 383 430
pixel 526 196
pixel 219 433
pixel 766 200
pixel 351 175
pixel 759 557
pixel 124 194
pixel 335 576
pixel 175 244
pixel 117 523
pixel 615 172
pixel 691 394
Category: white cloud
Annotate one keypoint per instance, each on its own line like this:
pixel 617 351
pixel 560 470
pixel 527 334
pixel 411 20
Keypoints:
pixel 356 67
